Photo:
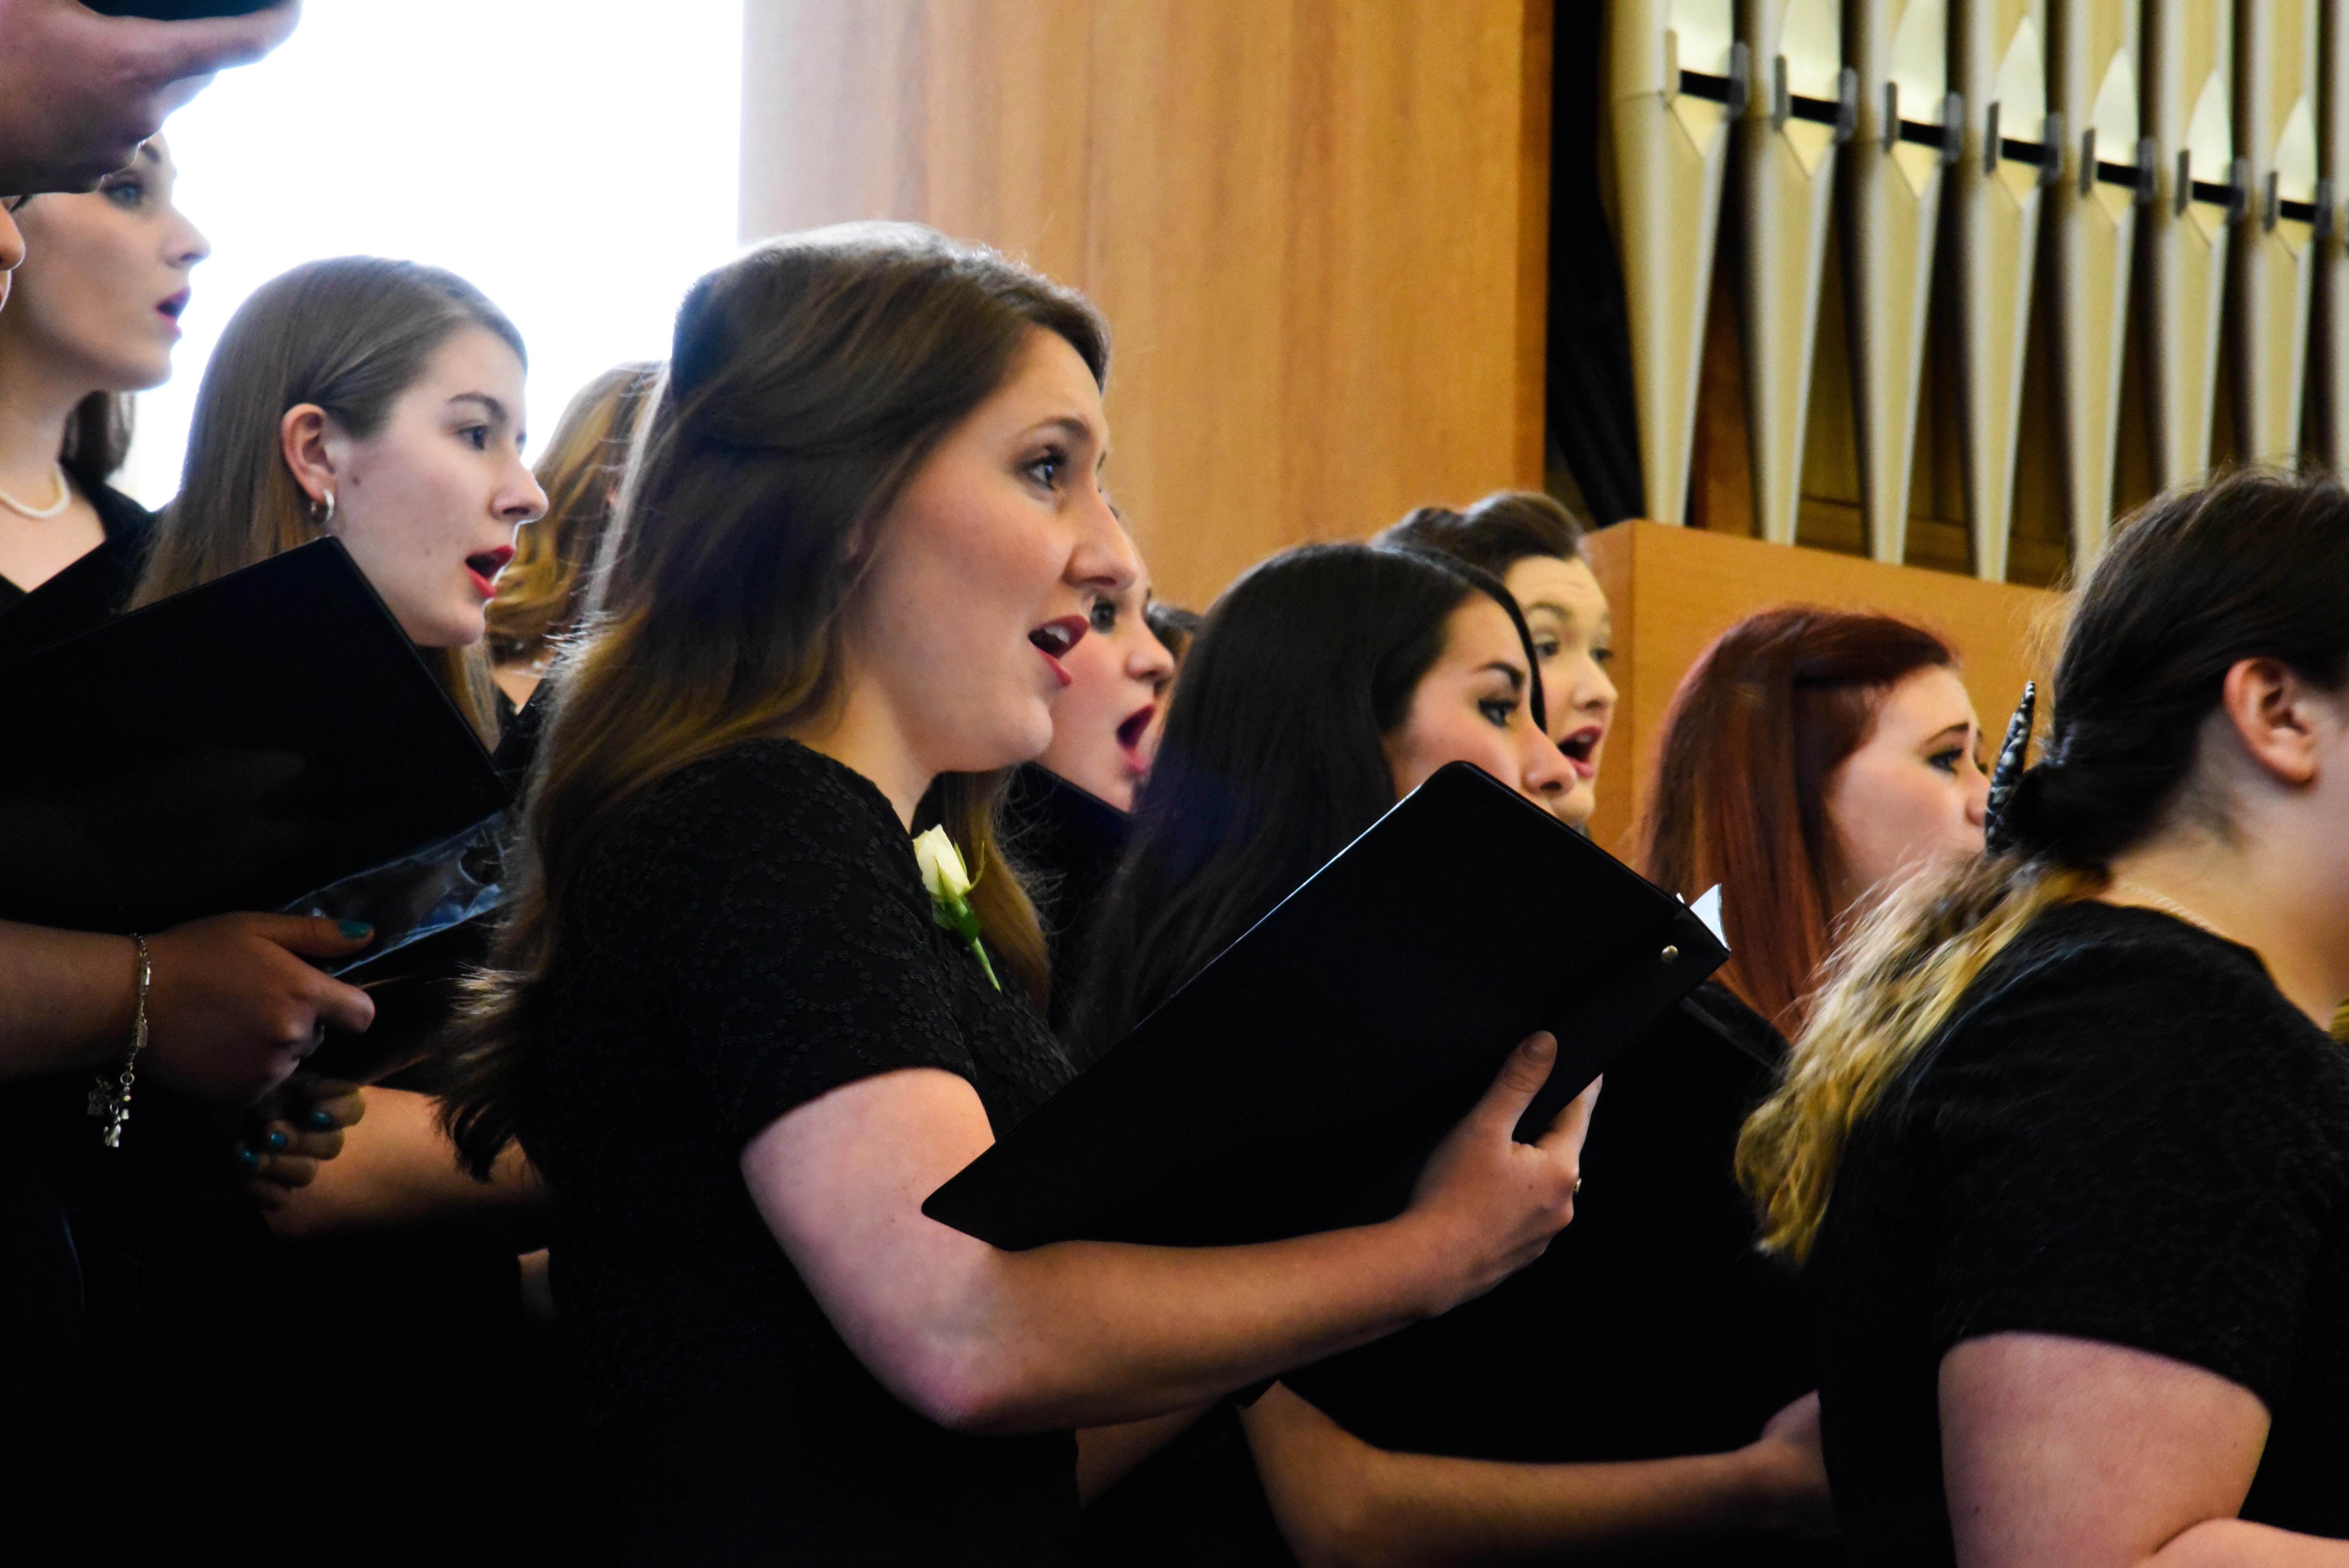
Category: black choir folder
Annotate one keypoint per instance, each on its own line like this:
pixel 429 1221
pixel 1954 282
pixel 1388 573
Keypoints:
pixel 233 747
pixel 1300 1080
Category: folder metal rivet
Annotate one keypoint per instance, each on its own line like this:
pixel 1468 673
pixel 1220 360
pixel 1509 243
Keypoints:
pixel 1669 954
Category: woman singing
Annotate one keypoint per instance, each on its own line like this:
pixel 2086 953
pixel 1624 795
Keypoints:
pixel 2064 1149
pixel 868 524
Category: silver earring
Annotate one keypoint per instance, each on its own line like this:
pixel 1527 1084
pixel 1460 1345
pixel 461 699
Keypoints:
pixel 321 511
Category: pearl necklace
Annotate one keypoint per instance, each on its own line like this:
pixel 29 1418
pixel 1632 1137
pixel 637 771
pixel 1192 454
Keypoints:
pixel 65 499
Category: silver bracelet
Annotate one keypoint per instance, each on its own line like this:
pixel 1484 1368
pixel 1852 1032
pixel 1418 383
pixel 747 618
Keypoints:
pixel 110 1101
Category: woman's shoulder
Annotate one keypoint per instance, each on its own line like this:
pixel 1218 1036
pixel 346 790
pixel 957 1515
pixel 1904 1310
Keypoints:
pixel 120 516
pixel 760 822
pixel 2124 996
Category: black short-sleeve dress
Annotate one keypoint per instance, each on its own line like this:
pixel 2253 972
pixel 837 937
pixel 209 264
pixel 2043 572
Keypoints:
pixel 753 933
pixel 2126 1134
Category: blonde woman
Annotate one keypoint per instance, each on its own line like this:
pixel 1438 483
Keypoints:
pixel 542 590
pixel 2064 1149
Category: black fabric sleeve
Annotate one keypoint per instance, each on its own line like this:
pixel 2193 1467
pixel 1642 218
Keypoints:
pixel 2134 1150
pixel 803 954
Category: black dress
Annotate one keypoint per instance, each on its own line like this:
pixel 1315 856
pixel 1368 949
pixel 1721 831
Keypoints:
pixel 1067 841
pixel 1649 1329
pixel 752 934
pixel 91 590
pixel 2126 1134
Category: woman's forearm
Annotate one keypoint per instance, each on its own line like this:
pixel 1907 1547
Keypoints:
pixel 1343 1503
pixel 65 999
pixel 397 1168
pixel 2238 1543
pixel 1105 1455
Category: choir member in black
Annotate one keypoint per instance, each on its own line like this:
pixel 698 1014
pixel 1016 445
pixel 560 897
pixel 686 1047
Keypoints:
pixel 94 317
pixel 380 402
pixel 1065 814
pixel 868 526
pixel 2063 1148
pixel 1533 546
pixel 1555 1416
pixel 544 589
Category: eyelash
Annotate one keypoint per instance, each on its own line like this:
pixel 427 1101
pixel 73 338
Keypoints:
pixel 1549 648
pixel 138 192
pixel 1055 458
pixel 1947 762
pixel 476 437
pixel 1103 617
pixel 1499 710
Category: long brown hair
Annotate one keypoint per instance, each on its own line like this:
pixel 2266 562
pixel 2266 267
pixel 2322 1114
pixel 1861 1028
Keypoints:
pixel 808 382
pixel 542 589
pixel 98 439
pixel 1755 731
pixel 2253 565
pixel 349 335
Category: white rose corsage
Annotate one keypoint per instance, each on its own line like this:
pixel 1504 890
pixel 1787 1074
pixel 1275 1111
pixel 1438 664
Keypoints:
pixel 950 884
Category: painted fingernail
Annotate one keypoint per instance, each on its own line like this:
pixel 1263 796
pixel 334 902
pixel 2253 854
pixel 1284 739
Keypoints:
pixel 354 929
pixel 247 1158
pixel 320 1120
pixel 276 1139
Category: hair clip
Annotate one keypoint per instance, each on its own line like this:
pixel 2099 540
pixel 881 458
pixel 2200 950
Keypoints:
pixel 1998 836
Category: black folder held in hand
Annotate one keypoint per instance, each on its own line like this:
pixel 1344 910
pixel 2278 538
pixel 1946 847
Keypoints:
pixel 1300 1080
pixel 231 748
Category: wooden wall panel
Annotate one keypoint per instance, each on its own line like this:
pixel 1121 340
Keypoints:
pixel 1673 590
pixel 1318 230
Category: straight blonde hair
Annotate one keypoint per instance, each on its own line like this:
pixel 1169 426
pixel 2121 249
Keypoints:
pixel 808 383
pixel 349 335
pixel 2253 565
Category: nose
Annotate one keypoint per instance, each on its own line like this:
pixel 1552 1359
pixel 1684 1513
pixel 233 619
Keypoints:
pixel 1150 661
pixel 1977 797
pixel 522 500
pixel 1544 774
pixel 188 244
pixel 1104 560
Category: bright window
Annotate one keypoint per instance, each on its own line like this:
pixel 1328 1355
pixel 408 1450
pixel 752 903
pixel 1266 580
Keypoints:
pixel 575 159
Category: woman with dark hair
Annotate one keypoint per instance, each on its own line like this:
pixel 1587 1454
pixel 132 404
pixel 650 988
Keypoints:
pixel 543 592
pixel 93 317
pixel 2063 1148
pixel 727 1021
pixel 1564 1414
pixel 1534 545
pixel 1812 760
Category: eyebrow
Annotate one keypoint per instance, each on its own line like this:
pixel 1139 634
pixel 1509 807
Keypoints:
pixel 1516 677
pixel 1960 731
pixel 490 406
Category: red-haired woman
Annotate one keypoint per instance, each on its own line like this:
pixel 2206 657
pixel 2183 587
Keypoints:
pixel 1812 760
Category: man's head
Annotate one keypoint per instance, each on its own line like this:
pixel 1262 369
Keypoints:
pixel 80 91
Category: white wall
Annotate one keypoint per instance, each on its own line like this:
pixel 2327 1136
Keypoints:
pixel 575 159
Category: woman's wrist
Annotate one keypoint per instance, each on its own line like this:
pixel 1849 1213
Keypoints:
pixel 1432 1271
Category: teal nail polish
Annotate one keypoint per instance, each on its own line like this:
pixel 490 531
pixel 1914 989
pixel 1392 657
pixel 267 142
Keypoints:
pixel 277 1140
pixel 320 1121
pixel 247 1158
pixel 354 929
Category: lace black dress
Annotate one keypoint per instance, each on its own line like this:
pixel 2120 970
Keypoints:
pixel 751 935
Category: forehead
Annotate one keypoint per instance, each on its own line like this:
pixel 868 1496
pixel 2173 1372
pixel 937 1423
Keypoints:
pixel 1568 584
pixel 1923 704
pixel 473 359
pixel 1048 379
pixel 1480 633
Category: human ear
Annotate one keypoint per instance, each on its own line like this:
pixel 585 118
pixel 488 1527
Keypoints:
pixel 2274 714
pixel 302 439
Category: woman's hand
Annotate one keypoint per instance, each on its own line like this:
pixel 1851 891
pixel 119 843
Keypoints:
pixel 1793 1472
pixel 1490 1203
pixel 301 1127
pixel 233 1007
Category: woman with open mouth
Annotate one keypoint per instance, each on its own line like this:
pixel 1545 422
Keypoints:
pixel 1533 546
pixel 1065 812
pixel 93 316
pixel 379 403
